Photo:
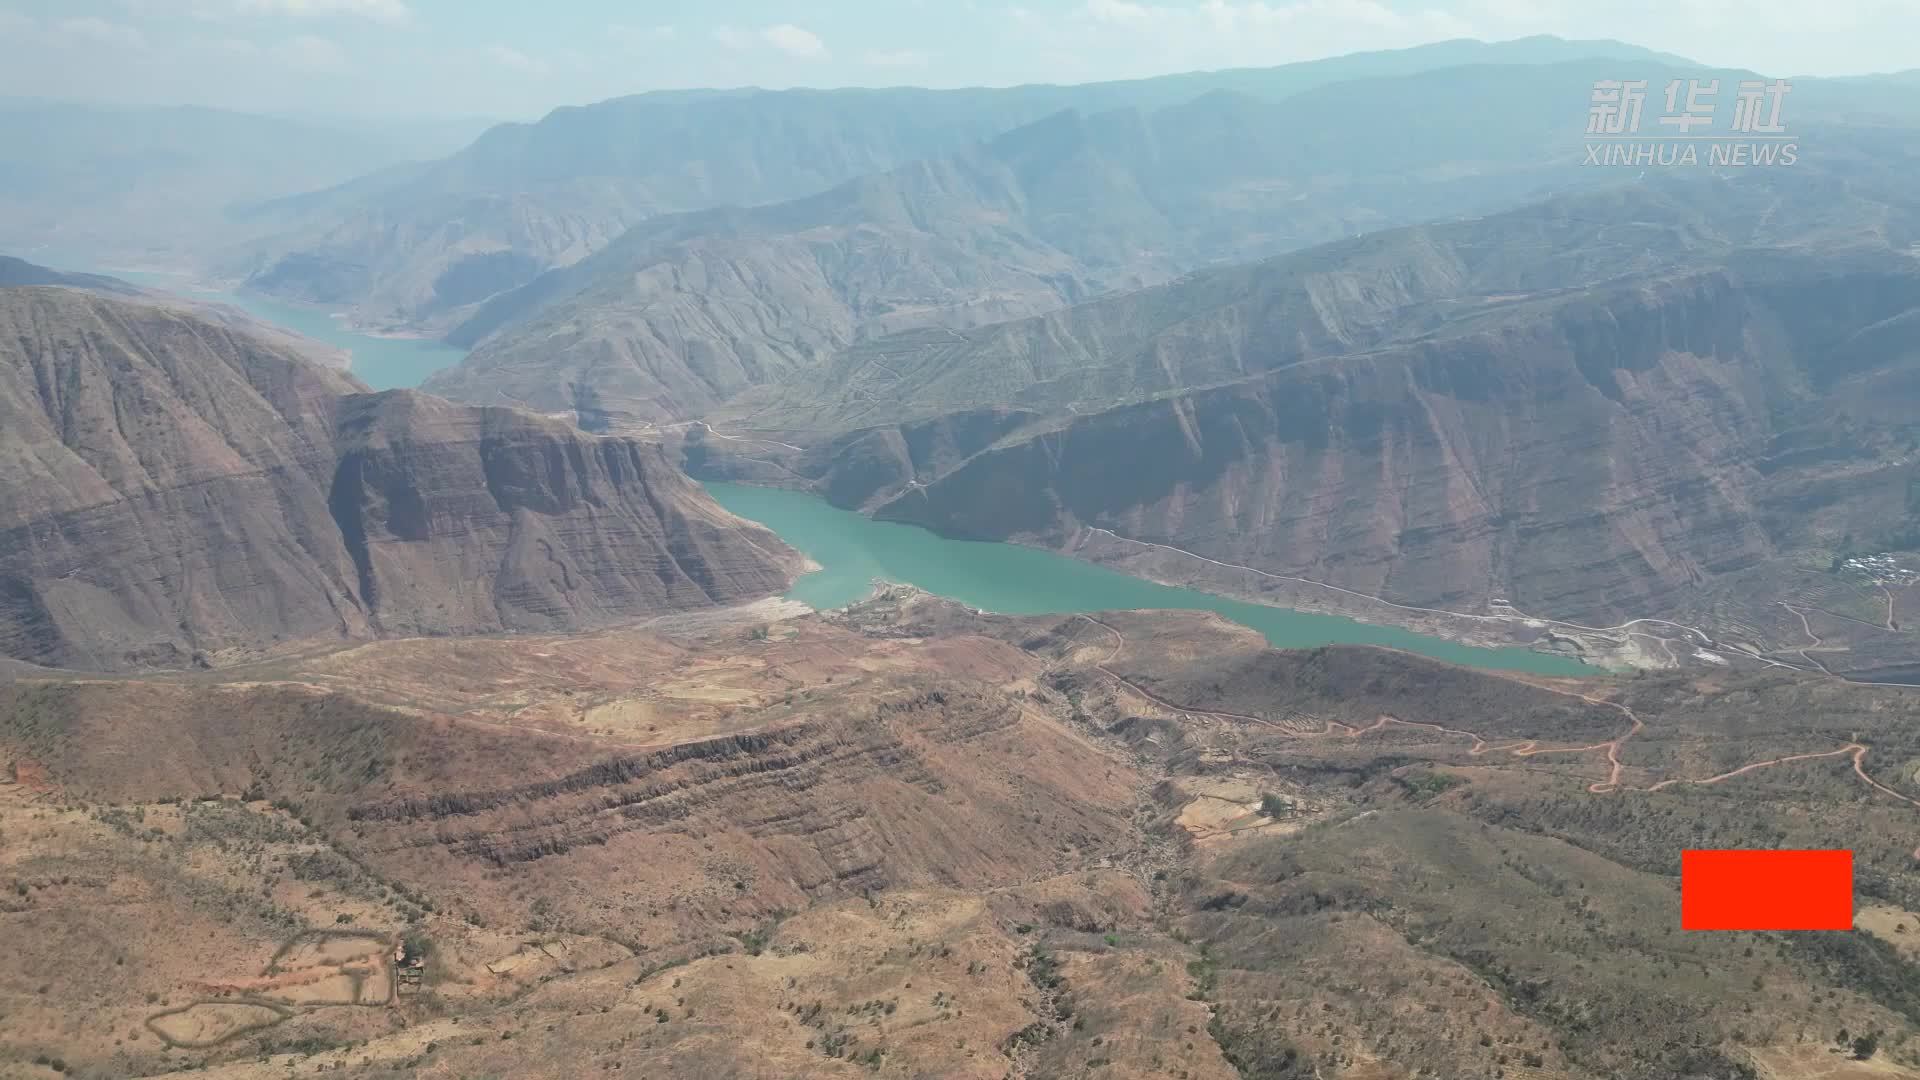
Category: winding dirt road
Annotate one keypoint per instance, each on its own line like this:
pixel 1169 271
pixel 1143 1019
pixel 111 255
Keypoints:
pixel 1524 748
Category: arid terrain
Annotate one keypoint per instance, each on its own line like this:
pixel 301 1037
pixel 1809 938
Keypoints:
pixel 408 667
pixel 914 841
pixel 1666 408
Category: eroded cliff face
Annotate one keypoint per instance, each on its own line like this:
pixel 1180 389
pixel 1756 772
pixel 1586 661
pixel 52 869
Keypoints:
pixel 462 518
pixel 1586 456
pixel 175 491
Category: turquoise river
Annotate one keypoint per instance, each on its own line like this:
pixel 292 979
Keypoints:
pixel 854 550
pixel 383 363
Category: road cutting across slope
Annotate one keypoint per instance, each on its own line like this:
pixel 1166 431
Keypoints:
pixel 1523 748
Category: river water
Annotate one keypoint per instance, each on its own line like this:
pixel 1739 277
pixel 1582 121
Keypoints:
pixel 380 362
pixel 853 550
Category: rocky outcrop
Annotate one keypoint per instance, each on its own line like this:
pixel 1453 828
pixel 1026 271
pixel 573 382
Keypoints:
pixel 177 491
pixel 902 779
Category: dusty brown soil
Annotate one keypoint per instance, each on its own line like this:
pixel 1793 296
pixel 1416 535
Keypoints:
pixel 914 842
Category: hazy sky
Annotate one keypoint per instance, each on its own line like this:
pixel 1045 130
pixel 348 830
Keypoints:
pixel 518 58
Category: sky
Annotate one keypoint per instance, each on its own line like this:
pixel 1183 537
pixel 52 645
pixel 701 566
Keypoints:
pixel 517 59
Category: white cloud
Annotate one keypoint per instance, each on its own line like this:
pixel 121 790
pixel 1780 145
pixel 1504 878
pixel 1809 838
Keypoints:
pixel 391 11
pixel 1227 19
pixel 896 58
pixel 312 54
pixel 1109 38
pixel 795 41
pixel 786 37
pixel 517 60
pixel 1118 11
pixel 384 11
pixel 99 31
pixel 231 46
pixel 1780 37
pixel 641 37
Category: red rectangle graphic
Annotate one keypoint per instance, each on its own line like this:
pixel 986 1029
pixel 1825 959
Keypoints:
pixel 1766 890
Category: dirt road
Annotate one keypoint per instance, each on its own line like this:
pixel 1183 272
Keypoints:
pixel 1524 748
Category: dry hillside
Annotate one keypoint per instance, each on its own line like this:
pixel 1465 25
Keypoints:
pixel 916 841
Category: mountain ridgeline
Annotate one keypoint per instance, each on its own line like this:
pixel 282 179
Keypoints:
pixel 685 311
pixel 178 491
pixel 124 183
pixel 419 246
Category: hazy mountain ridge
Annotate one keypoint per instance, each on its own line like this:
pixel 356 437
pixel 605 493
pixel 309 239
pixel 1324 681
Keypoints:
pixel 549 193
pixel 19 272
pixel 172 489
pixel 1218 325
pixel 163 184
pixel 15 272
pixel 683 312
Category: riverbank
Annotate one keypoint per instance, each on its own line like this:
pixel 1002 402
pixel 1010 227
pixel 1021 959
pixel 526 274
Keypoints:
pixel 384 360
pixel 854 551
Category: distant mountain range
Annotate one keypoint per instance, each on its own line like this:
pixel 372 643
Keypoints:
pixel 418 246
pixel 684 311
pixel 162 184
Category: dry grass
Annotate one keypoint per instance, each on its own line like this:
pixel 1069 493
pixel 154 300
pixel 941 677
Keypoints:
pixel 927 843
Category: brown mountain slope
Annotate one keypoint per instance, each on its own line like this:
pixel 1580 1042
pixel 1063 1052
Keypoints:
pixel 1662 400
pixel 682 312
pixel 1593 458
pixel 918 841
pixel 19 272
pixel 172 489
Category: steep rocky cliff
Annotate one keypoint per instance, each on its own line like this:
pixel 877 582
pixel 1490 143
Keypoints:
pixel 173 490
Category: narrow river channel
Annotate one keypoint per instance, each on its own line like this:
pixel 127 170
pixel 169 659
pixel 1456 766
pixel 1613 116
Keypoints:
pixel 853 550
